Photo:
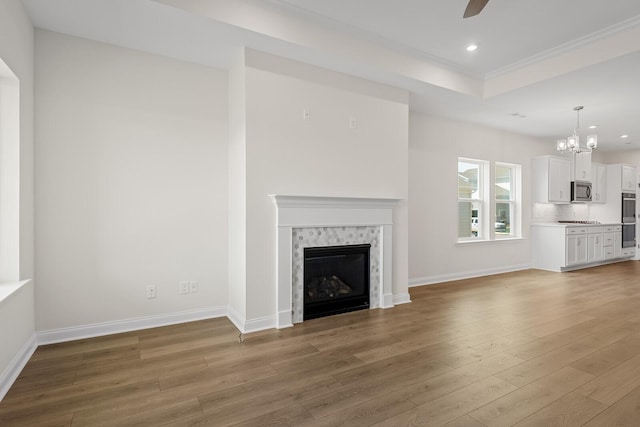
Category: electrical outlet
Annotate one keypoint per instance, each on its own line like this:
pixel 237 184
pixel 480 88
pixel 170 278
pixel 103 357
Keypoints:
pixel 184 287
pixel 151 291
pixel 193 286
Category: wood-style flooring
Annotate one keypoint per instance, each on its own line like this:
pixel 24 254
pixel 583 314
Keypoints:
pixel 529 348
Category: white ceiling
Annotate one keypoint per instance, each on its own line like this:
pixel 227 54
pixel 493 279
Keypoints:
pixel 536 59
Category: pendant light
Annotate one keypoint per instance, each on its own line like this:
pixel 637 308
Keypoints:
pixel 572 142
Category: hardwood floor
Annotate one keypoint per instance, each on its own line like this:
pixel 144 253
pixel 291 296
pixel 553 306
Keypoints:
pixel 530 348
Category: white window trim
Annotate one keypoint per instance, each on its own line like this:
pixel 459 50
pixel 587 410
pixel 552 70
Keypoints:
pixel 515 201
pixel 487 202
pixel 484 172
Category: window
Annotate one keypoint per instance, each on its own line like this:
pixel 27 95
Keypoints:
pixel 471 194
pixel 506 208
pixel 9 175
pixel 478 201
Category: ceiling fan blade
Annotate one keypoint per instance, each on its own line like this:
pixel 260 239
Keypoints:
pixel 474 7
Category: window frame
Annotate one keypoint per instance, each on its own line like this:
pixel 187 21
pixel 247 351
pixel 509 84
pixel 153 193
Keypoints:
pixel 479 201
pixel 487 202
pixel 515 216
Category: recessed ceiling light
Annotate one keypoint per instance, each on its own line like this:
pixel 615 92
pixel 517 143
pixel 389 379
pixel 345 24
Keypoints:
pixel 472 47
pixel 624 136
pixel 593 127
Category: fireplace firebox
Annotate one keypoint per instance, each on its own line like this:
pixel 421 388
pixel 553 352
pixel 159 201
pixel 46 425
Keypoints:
pixel 336 280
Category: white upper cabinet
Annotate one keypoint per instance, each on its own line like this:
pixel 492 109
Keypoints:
pixel 582 166
pixel 551 179
pixel 629 178
pixel 599 183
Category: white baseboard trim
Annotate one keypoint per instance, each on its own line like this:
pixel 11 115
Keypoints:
pixel 284 319
pixel 251 325
pixel 128 325
pixel 236 319
pixel 403 298
pixel 432 280
pixel 387 300
pixel 260 324
pixel 16 366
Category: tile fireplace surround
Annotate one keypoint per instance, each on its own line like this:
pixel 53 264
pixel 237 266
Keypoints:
pixel 309 221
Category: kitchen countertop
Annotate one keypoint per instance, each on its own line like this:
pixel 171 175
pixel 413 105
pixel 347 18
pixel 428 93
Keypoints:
pixel 571 224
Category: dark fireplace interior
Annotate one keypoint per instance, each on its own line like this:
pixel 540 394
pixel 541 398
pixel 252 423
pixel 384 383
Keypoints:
pixel 336 280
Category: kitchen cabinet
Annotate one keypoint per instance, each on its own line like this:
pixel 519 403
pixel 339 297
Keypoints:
pixel 612 241
pixel 620 178
pixel 628 252
pixel 595 244
pixel 599 183
pixel 551 179
pixel 577 249
pixel 629 179
pixel 564 247
pixel 581 166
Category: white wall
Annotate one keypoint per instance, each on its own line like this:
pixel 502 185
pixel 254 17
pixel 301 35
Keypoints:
pixel 317 157
pixel 17 310
pixel 631 157
pixel 131 183
pixel 434 147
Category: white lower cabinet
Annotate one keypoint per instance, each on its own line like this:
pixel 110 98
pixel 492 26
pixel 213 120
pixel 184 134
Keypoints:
pixel 595 244
pixel 609 251
pixel 577 249
pixel 628 252
pixel 612 241
pixel 559 247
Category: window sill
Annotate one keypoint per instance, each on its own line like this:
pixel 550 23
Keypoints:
pixel 480 241
pixel 8 289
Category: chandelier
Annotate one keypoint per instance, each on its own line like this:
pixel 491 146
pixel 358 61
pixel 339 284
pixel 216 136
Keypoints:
pixel 572 143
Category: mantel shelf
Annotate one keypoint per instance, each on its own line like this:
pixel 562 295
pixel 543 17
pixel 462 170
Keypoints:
pixel 332 202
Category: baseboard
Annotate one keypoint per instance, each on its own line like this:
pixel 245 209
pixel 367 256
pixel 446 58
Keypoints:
pixel 128 325
pixel 16 366
pixel 387 300
pixel 403 298
pixel 431 280
pixel 252 325
pixel 284 319
pixel 260 324
pixel 236 319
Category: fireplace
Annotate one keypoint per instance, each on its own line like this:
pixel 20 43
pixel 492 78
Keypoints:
pixel 336 280
pixel 310 221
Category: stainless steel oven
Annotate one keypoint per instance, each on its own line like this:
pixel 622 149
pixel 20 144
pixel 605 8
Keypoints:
pixel 628 208
pixel 628 220
pixel 628 235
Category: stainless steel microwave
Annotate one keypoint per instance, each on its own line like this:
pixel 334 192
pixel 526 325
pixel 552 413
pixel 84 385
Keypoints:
pixel 580 191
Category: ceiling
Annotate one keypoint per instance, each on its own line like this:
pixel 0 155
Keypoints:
pixel 535 60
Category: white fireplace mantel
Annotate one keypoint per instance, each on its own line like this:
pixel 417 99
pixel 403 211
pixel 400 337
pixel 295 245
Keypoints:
pixel 313 211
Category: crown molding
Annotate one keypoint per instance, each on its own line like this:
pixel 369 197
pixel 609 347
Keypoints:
pixel 618 28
